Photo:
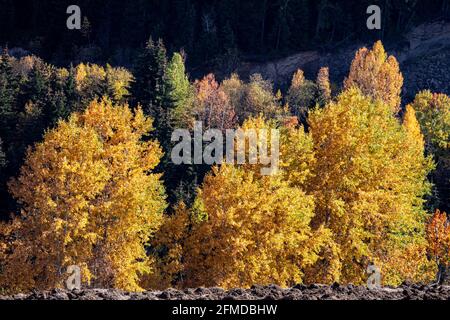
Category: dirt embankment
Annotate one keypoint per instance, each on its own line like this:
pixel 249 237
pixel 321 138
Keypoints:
pixel 423 53
pixel 273 292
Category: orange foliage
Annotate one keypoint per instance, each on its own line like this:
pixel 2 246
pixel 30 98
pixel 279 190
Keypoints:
pixel 438 236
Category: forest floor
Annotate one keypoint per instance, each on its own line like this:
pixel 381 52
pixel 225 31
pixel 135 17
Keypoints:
pixel 272 292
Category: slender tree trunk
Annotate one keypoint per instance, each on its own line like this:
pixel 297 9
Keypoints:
pixel 442 275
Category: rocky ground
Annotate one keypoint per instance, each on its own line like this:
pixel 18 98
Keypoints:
pixel 299 292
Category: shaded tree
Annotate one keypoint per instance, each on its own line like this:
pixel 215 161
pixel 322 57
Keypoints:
pixel 433 113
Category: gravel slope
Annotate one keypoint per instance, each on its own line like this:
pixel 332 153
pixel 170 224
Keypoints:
pixel 299 292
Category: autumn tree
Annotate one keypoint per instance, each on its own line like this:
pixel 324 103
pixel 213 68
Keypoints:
pixel 94 81
pixel 117 82
pixel 301 96
pixel 323 86
pixel 213 106
pixel 377 75
pixel 259 100
pixel 438 237
pixel 245 228
pixel 369 180
pixel 252 99
pixel 89 199
pixel 433 113
pixel 167 250
pixel 249 230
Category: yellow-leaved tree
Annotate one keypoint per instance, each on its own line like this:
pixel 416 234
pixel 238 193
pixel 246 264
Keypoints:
pixel 89 199
pixel 323 86
pixel 377 75
pixel 93 81
pixel 245 227
pixel 249 229
pixel 368 180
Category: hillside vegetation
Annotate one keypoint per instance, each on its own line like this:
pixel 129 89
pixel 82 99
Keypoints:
pixel 87 177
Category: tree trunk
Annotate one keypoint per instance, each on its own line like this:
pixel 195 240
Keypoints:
pixel 442 275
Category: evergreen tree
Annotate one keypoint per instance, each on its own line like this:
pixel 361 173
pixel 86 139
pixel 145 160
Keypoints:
pixel 37 91
pixel 150 69
pixel 9 90
pixel 180 180
pixel 58 100
pixel 180 92
pixel 73 99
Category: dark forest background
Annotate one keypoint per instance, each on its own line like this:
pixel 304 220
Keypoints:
pixel 210 32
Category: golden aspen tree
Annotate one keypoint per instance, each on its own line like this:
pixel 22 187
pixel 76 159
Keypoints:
pixel 406 254
pixel 253 98
pixel 213 107
pixel 296 155
pixel 89 199
pixel 301 96
pixel 377 75
pixel 297 161
pixel 168 251
pixel 17 278
pixel 249 228
pixel 298 79
pixel 323 86
pixel 433 111
pixel 234 89
pixel 117 82
pixel 368 181
pixel 413 130
pixel 93 81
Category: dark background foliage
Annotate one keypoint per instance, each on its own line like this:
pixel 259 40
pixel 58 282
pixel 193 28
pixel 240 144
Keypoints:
pixel 205 29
